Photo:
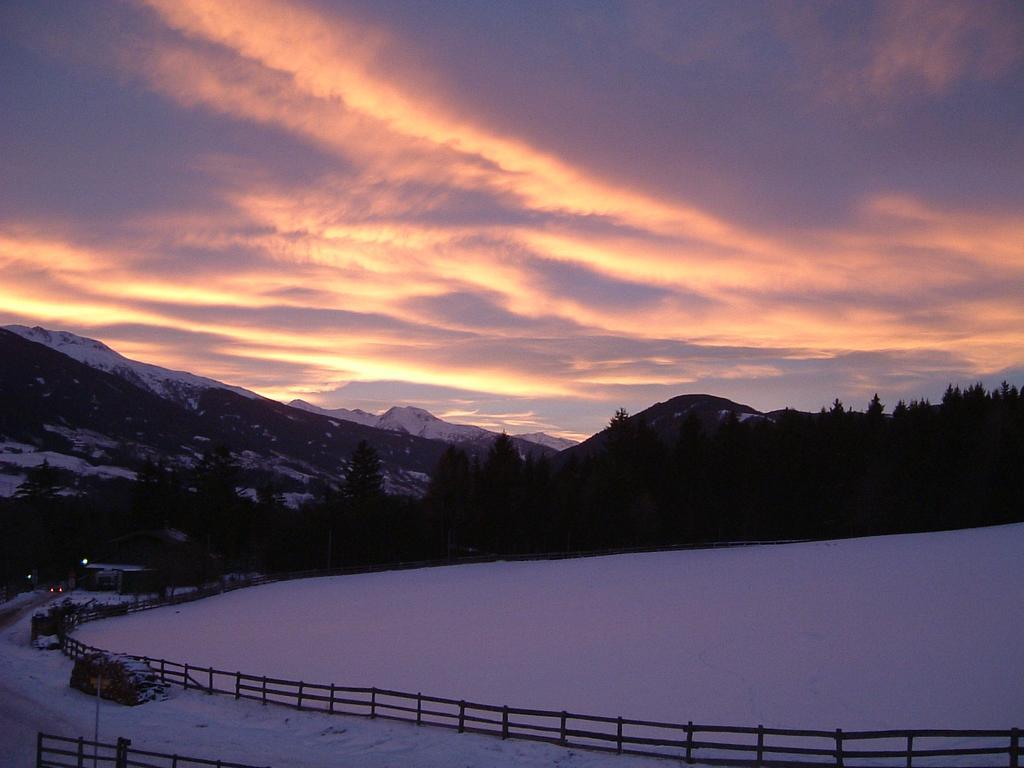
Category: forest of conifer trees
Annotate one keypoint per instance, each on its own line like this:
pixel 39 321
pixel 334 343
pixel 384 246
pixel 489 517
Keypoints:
pixel 835 473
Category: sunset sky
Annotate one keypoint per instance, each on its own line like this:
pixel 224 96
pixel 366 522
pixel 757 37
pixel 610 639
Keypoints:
pixel 523 214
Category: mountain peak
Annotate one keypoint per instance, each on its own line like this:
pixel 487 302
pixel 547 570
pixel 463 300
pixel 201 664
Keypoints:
pixel 403 412
pixel 60 340
pixel 180 386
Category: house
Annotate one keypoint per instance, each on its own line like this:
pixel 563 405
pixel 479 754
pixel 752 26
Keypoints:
pixel 124 578
pixel 147 561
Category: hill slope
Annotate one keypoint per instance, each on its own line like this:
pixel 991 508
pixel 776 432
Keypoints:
pixel 179 386
pixel 80 417
pixel 666 419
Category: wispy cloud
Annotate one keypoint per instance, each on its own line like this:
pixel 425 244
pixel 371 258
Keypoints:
pixel 491 271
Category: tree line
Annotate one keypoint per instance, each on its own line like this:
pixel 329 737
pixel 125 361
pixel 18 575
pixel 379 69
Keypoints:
pixel 836 473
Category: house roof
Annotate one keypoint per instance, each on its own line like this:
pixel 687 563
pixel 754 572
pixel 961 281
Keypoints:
pixel 170 536
pixel 123 567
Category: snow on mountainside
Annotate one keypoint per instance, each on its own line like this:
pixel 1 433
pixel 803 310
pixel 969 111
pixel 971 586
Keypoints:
pixel 179 386
pixel 183 388
pixel 355 415
pixel 94 424
pixel 422 423
pixel 549 441
pixel 417 421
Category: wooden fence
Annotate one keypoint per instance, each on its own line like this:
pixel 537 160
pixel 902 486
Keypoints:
pixel 62 752
pixel 689 742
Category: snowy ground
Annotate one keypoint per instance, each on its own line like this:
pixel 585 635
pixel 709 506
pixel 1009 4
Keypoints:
pixel 35 696
pixel 898 632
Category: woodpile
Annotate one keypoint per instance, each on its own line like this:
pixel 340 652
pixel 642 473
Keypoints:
pixel 119 678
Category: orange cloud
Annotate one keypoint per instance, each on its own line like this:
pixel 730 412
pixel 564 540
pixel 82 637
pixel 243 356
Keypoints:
pixel 371 239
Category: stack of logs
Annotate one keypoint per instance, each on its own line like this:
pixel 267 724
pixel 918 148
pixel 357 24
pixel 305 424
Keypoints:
pixel 119 678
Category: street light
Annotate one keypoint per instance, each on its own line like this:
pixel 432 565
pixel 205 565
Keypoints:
pixel 85 561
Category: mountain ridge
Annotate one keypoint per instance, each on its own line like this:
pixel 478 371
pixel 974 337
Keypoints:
pixel 181 386
pixel 74 413
pixel 421 422
pixel 184 387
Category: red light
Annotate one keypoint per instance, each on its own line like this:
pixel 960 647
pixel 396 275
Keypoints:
pixel 51 589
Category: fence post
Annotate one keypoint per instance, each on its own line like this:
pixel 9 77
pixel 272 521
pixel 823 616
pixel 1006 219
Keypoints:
pixel 163 675
pixel 210 689
pixel 839 748
pixel 122 752
pixel 238 685
pixel 39 749
pixel 185 678
pixel 562 729
pixel 462 716
pixel 504 722
pixel 689 741
pixel 81 752
pixel 330 704
pixel 1014 748
pixel 264 690
pixel 299 699
pixel 618 733
pixel 373 702
pixel 419 708
pixel 760 744
pixel 910 749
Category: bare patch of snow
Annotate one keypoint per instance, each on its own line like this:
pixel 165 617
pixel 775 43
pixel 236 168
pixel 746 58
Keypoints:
pixel 294 500
pixel 73 464
pixel 9 484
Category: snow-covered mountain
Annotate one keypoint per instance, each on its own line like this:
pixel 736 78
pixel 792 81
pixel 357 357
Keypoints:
pixel 422 423
pixel 416 421
pixel 178 386
pixel 549 441
pixel 356 415
pixel 98 417
pixel 184 388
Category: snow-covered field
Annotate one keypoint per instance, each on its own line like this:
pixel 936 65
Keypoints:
pixel 904 631
pixel 34 696
pixel 897 632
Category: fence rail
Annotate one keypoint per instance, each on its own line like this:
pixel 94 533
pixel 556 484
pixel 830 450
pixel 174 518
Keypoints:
pixel 63 752
pixel 751 747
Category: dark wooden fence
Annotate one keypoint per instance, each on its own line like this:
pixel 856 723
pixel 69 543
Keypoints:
pixel 62 752
pixel 690 742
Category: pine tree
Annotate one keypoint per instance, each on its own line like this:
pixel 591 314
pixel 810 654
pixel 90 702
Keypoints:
pixel 875 408
pixel 363 481
pixel 448 497
pixel 40 484
pixel 219 519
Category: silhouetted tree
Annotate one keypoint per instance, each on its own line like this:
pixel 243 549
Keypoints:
pixel 363 480
pixel 40 485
